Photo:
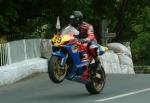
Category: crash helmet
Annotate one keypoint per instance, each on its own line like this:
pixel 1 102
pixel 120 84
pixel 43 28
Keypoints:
pixel 76 18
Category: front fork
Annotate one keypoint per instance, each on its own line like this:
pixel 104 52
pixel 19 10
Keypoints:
pixel 63 63
pixel 63 57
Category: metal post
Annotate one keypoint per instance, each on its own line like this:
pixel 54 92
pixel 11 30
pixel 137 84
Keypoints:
pixel 25 49
pixel 9 56
pixel 58 24
pixel 105 35
pixel 104 25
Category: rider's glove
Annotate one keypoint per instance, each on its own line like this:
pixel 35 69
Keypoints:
pixel 84 40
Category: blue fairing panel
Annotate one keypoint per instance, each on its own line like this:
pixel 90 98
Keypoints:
pixel 74 55
pixel 60 54
pixel 101 51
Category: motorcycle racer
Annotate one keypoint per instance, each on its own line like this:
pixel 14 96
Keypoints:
pixel 86 34
pixel 66 61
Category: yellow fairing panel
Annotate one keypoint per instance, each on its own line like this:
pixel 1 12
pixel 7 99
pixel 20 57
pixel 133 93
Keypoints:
pixel 60 40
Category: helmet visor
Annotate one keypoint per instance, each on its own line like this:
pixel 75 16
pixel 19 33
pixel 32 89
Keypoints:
pixel 73 20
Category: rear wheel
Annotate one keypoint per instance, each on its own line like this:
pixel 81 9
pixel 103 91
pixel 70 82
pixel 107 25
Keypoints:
pixel 97 82
pixel 56 72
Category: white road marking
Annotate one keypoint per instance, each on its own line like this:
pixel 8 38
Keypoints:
pixel 123 95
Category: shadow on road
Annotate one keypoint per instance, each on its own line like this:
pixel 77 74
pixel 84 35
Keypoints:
pixel 60 97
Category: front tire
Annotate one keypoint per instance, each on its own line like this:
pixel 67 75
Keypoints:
pixel 97 83
pixel 55 71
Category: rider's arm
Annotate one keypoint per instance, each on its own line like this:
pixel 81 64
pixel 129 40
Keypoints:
pixel 90 33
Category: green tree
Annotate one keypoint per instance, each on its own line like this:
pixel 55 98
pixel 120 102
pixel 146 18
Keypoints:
pixel 141 48
pixel 8 17
pixel 130 19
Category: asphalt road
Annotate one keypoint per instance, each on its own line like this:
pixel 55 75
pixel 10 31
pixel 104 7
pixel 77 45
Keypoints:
pixel 118 89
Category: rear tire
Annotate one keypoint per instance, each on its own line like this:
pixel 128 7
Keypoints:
pixel 97 84
pixel 55 71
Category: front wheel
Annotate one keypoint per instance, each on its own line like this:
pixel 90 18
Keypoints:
pixel 97 82
pixel 55 71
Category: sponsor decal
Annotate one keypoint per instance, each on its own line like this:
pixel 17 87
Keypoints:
pixel 74 48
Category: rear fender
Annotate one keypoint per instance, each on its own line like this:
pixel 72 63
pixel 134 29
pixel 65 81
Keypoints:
pixel 102 49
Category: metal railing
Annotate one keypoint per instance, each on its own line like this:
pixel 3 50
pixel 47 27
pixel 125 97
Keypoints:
pixel 3 54
pixel 16 51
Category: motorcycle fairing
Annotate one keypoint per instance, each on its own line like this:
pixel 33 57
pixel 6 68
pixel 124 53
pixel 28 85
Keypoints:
pixel 62 55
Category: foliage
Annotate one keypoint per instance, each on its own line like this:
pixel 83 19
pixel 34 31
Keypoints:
pixel 141 44
pixel 130 19
pixel 8 16
pixel 141 48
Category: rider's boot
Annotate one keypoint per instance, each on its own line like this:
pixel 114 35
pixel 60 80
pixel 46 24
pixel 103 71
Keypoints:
pixel 95 54
pixel 97 67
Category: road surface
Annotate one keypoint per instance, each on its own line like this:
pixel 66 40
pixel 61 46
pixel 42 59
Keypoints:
pixel 39 89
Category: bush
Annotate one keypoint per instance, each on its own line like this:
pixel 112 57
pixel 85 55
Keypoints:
pixel 140 49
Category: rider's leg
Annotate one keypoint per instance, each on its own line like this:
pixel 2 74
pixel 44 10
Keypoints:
pixel 94 50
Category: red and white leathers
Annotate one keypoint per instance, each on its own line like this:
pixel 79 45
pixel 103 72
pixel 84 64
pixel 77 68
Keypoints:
pixel 87 33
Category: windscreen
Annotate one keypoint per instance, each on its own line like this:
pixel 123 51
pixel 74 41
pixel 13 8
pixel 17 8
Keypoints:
pixel 69 29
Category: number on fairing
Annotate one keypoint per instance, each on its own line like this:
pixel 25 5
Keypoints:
pixel 57 40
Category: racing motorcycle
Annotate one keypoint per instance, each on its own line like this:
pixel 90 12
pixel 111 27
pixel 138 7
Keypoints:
pixel 71 60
